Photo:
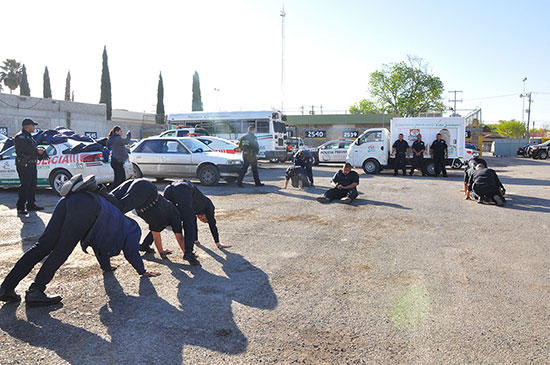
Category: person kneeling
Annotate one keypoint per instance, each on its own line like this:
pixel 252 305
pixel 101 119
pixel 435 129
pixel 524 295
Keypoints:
pixel 298 176
pixel 485 187
pixel 344 184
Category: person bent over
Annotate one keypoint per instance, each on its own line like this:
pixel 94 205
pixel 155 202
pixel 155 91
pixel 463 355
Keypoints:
pixel 82 216
pixel 304 159
pixel 485 187
pixel 470 169
pixel 298 176
pixel 344 184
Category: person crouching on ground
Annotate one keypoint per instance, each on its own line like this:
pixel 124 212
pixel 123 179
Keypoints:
pixel 344 184
pixel 485 187
pixel 298 176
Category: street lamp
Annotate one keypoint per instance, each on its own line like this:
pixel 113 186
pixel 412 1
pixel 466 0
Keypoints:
pixel 528 95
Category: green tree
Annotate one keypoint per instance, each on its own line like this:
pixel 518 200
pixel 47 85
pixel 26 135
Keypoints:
pixel 160 100
pixel 490 128
pixel 197 100
pixel 47 86
pixel 106 86
pixel 11 74
pixel 511 128
pixel 364 107
pixel 405 89
pixel 24 88
pixel 68 87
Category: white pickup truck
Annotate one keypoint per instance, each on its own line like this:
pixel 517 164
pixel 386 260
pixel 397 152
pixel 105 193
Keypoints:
pixel 372 149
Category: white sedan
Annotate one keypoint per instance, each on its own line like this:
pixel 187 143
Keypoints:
pixel 218 144
pixel 60 167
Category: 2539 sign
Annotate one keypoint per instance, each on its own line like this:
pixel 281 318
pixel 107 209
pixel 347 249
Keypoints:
pixel 350 134
pixel 316 134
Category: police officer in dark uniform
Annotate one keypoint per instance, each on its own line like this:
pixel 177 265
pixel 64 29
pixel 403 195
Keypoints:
pixel 485 186
pixel 142 195
pixel 439 155
pixel 27 155
pixel 81 216
pixel 304 159
pixel 250 147
pixel 470 168
pixel 344 186
pixel 418 149
pixel 193 204
pixel 400 148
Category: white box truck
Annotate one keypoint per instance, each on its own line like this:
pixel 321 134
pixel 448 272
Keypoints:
pixel 372 149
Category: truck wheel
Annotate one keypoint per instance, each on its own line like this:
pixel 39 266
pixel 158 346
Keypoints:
pixel 209 175
pixel 137 172
pixel 543 155
pixel 535 155
pixel 58 178
pixel 430 169
pixel 371 166
pixel 456 164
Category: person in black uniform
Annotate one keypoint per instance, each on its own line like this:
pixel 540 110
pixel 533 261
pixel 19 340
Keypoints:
pixel 82 216
pixel 418 149
pixel 439 154
pixel 470 168
pixel 193 204
pixel 400 148
pixel 250 147
pixel 344 184
pixel 485 186
pixel 142 195
pixel 25 162
pixel 298 176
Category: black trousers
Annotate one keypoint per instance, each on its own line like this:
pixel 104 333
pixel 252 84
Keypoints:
pixel 334 194
pixel 71 220
pixel 27 189
pixel 418 163
pixel 399 163
pixel 254 165
pixel 485 192
pixel 439 165
pixel 120 174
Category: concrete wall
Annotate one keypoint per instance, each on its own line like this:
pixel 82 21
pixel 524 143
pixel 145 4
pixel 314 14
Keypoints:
pixel 507 146
pixel 80 117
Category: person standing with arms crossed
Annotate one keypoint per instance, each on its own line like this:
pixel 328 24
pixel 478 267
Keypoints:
pixel 400 148
pixel 439 152
pixel 119 155
pixel 418 149
pixel 250 147
pixel 27 153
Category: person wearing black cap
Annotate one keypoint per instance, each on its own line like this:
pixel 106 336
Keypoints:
pixel 27 154
pixel 193 204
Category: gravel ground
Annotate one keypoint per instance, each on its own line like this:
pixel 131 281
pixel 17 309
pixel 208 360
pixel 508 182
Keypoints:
pixel 411 273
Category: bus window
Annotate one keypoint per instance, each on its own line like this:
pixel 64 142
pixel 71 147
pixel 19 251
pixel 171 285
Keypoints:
pixel 248 123
pixel 236 126
pixel 262 126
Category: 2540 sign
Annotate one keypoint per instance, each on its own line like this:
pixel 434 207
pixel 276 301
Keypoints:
pixel 316 134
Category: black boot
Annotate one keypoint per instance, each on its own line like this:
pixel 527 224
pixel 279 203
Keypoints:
pixel 9 295
pixel 37 297
pixel 34 208
pixel 191 258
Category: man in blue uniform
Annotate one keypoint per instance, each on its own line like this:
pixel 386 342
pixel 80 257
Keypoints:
pixel 250 147
pixel 82 216
pixel 418 148
pixel 192 204
pixel 344 186
pixel 298 176
pixel 439 152
pixel 304 159
pixel 400 148
pixel 27 154
pixel 142 195
pixel 485 186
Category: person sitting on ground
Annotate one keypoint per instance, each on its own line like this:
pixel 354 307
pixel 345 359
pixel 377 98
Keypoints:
pixel 485 186
pixel 470 168
pixel 304 159
pixel 83 216
pixel 344 184
pixel 298 176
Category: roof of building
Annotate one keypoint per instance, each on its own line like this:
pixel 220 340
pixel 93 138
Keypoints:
pixel 339 119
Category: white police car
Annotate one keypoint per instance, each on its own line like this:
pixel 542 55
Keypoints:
pixel 60 167
pixel 331 151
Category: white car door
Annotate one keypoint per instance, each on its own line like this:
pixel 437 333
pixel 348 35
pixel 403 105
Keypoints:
pixel 176 160
pixel 375 146
pixel 147 156
pixel 327 152
pixel 8 173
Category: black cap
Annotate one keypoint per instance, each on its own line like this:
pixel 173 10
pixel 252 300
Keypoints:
pixel 28 121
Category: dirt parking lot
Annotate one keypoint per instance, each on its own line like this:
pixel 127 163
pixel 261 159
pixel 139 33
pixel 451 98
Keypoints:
pixel 410 273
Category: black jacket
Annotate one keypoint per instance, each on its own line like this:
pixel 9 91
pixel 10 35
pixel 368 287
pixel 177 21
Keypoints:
pixel 25 148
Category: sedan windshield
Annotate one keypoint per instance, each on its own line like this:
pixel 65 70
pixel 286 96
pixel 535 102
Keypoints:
pixel 195 146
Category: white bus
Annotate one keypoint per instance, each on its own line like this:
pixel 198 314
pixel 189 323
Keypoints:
pixel 270 128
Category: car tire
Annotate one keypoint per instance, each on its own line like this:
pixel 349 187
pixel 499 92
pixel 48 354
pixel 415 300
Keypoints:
pixel 535 155
pixel 209 175
pixel 543 155
pixel 371 166
pixel 430 169
pixel 58 178
pixel 456 164
pixel 137 171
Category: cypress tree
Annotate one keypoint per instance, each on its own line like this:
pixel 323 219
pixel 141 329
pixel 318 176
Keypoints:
pixel 47 86
pixel 197 100
pixel 68 87
pixel 24 88
pixel 160 101
pixel 106 86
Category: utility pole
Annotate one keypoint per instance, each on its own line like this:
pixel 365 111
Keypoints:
pixel 528 95
pixel 283 15
pixel 217 91
pixel 523 103
pixel 312 112
pixel 455 100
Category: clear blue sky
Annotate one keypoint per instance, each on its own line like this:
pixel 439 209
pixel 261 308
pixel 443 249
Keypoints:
pixel 484 48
